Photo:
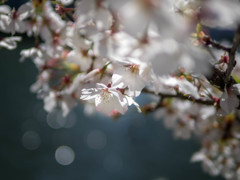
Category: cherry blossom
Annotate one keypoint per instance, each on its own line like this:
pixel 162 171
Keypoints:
pixel 15 21
pixel 107 99
pixel 229 100
pixel 10 42
pixel 134 74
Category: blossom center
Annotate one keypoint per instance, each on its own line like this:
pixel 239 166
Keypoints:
pixel 134 68
pixel 105 95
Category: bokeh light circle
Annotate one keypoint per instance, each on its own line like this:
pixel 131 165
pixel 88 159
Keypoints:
pixel 64 155
pixel 31 140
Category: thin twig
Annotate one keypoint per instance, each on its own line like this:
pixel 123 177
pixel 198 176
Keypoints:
pixel 181 96
pixel 217 45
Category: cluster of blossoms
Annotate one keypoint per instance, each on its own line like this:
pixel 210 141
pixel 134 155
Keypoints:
pixel 108 52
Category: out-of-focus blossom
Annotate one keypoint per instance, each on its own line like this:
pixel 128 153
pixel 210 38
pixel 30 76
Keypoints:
pixel 223 13
pixel 10 42
pixel 94 10
pixel 15 22
pixel 54 100
pixel 30 53
pixel 229 100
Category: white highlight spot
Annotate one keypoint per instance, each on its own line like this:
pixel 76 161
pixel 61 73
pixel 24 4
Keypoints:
pixel 64 155
pixel 66 2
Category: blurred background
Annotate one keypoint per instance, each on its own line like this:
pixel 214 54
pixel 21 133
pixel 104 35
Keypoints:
pixel 40 146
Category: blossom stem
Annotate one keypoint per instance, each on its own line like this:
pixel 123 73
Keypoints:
pixel 217 45
pixel 182 97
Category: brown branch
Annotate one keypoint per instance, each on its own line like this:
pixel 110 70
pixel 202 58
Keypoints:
pixel 217 78
pixel 216 44
pixel 226 76
pixel 182 97
pixel 232 61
